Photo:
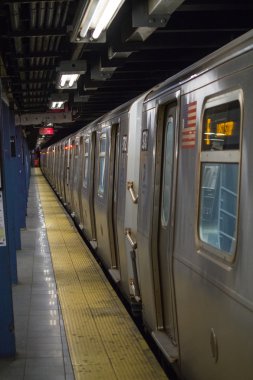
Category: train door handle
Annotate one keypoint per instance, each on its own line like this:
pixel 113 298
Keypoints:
pixel 130 187
pixel 132 242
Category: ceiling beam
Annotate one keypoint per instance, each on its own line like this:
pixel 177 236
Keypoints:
pixel 36 33
pixel 200 7
pixel 31 81
pixel 43 54
pixel 37 1
pixel 37 68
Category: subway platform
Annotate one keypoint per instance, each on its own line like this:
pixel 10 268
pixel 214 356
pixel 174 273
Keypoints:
pixel 69 322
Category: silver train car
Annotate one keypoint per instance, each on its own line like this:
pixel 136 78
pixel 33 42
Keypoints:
pixel 163 189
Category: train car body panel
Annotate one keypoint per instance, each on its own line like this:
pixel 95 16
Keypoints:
pixel 213 284
pixel 209 84
pixel 167 195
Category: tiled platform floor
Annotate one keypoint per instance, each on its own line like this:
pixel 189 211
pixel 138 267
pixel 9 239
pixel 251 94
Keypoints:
pixel 42 351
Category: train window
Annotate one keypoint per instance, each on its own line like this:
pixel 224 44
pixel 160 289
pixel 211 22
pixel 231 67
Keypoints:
pixel 86 162
pixel 218 205
pixel 102 153
pixel 222 127
pixel 167 171
pixel 219 178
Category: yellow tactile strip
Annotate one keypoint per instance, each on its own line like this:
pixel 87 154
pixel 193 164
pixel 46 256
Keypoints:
pixel 103 341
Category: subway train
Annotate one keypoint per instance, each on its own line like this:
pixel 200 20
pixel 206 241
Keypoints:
pixel 162 187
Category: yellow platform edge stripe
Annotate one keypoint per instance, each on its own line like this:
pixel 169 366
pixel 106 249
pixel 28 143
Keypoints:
pixel 103 341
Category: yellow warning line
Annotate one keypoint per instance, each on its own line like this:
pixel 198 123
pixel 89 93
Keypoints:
pixel 104 342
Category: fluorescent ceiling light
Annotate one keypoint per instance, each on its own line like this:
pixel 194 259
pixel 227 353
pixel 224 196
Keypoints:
pixel 56 102
pixel 106 17
pixel 98 16
pixel 69 73
pixel 57 105
pixel 67 80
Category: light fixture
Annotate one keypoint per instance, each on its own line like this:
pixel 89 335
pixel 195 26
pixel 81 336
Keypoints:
pixel 69 73
pixel 68 80
pixel 46 131
pixel 56 105
pixel 57 101
pixel 106 16
pixel 93 19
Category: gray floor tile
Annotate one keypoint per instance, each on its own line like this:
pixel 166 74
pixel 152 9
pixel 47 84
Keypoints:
pixel 52 312
pixel 46 327
pixel 44 340
pixel 12 374
pixel 70 376
pixel 53 363
pixel 39 334
pixel 49 376
pixel 45 320
pixel 44 353
pixel 11 363
pixel 41 298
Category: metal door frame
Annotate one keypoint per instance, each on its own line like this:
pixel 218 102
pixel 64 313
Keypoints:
pixel 161 114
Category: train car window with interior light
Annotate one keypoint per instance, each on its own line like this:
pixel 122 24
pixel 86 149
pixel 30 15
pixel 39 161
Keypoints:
pixel 221 127
pixel 219 178
pixel 102 153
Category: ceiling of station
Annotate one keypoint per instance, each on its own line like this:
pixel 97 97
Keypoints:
pixel 35 37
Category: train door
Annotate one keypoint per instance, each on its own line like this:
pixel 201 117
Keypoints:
pixel 54 166
pixel 67 171
pixel 87 186
pixel 79 176
pixel 163 228
pixel 92 150
pixel 57 152
pixel 71 172
pixel 105 198
pixel 61 169
pixel 115 180
pixel 75 178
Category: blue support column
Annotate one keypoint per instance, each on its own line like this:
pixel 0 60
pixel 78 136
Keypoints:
pixel 13 179
pixel 21 180
pixel 27 167
pixel 7 337
pixel 9 189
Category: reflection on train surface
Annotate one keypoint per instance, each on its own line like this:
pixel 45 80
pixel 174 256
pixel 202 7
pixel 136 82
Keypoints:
pixel 162 187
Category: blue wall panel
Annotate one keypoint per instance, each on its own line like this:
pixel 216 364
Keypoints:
pixel 9 189
pixel 8 270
